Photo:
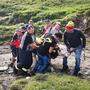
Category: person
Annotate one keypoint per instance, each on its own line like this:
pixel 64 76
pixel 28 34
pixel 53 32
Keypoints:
pixel 47 28
pixel 14 44
pixel 75 42
pixel 26 47
pixel 24 28
pixel 30 22
pixel 45 52
pixel 56 28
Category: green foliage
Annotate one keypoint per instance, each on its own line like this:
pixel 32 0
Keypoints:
pixel 20 11
pixel 4 39
pixel 23 16
pixel 51 82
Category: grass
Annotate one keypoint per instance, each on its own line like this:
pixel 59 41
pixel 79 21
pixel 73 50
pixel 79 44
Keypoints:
pixel 20 11
pixel 51 81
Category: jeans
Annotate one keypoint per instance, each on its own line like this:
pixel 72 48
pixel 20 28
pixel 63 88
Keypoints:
pixel 42 64
pixel 77 52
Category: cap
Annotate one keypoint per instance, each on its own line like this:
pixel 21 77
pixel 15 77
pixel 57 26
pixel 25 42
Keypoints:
pixel 70 23
pixel 29 27
pixel 70 26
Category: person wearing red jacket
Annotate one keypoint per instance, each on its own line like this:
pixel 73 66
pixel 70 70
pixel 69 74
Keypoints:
pixel 15 43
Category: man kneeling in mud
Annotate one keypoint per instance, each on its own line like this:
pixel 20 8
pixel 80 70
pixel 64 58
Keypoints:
pixel 45 52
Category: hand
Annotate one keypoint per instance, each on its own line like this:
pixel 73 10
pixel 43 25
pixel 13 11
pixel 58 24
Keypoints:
pixel 71 49
pixel 83 49
pixel 34 46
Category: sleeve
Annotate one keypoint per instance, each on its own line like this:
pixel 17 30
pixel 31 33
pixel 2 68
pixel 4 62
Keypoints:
pixel 83 39
pixel 66 41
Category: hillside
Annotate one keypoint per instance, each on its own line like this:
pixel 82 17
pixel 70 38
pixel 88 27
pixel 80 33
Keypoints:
pixel 15 12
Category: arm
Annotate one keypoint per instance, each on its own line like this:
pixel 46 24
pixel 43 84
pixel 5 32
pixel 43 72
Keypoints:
pixel 83 39
pixel 66 41
pixel 51 49
pixel 33 45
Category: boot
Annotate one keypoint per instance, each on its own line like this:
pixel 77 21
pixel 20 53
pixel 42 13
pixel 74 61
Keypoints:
pixel 65 69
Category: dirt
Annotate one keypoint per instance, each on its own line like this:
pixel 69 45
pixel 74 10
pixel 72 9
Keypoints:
pixel 5 55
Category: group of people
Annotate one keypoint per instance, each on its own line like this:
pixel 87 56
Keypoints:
pixel 35 54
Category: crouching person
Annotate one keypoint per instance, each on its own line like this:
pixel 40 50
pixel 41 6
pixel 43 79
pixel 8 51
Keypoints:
pixel 25 52
pixel 75 42
pixel 44 53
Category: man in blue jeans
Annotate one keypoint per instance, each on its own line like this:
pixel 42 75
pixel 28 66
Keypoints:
pixel 44 53
pixel 75 42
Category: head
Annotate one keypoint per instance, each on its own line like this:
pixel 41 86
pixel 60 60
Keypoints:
pixel 30 29
pixel 19 32
pixel 58 25
pixel 23 29
pixel 70 26
pixel 53 24
pixel 30 22
pixel 48 22
pixel 58 36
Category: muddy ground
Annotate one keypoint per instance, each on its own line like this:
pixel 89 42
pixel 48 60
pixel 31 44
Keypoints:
pixel 5 55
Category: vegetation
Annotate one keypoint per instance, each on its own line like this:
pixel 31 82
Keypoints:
pixel 13 12
pixel 51 82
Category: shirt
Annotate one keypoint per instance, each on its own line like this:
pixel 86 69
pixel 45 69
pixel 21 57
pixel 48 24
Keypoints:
pixel 26 40
pixel 44 49
pixel 74 39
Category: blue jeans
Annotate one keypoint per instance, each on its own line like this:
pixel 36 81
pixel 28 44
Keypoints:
pixel 77 52
pixel 42 64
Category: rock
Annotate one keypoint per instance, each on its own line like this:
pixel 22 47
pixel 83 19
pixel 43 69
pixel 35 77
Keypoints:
pixel 5 49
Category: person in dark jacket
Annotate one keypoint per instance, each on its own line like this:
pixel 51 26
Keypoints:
pixel 26 47
pixel 45 52
pixel 75 42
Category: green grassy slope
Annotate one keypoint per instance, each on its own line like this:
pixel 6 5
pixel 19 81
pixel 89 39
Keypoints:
pixel 14 12
pixel 51 82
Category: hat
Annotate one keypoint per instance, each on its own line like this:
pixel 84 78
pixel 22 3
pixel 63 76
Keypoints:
pixel 70 23
pixel 29 27
pixel 70 26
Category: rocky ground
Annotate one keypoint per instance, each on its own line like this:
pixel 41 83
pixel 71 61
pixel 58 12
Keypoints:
pixel 85 62
pixel 5 55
